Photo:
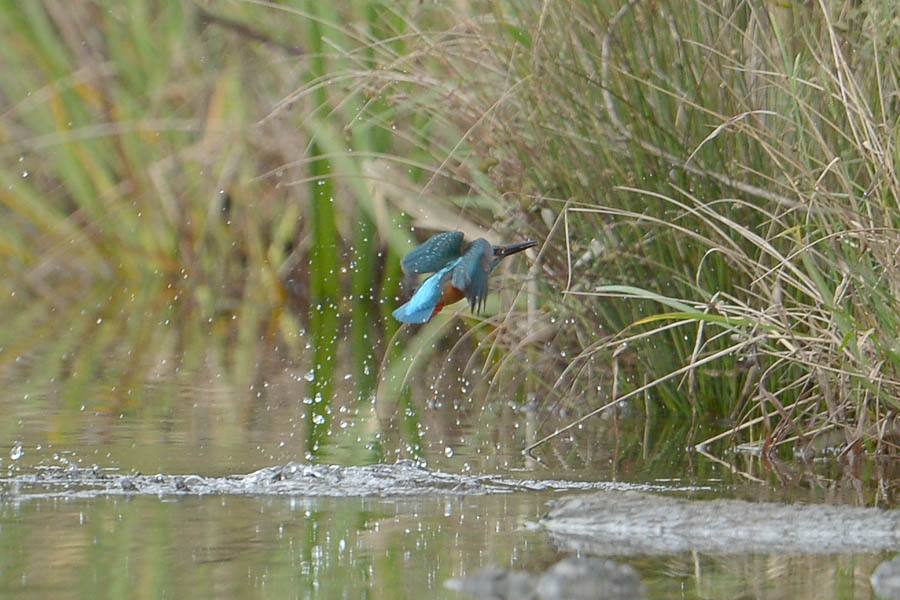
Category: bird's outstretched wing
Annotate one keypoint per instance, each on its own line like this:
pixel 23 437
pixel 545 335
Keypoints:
pixel 434 254
pixel 471 274
pixel 421 306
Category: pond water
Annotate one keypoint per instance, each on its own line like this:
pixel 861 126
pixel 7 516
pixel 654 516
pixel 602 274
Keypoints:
pixel 65 542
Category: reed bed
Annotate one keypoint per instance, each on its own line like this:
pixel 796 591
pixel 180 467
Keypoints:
pixel 718 193
pixel 714 185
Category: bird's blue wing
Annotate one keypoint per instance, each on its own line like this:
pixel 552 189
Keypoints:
pixel 421 306
pixel 471 275
pixel 434 254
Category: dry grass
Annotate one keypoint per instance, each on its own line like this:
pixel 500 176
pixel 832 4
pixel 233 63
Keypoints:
pixel 720 200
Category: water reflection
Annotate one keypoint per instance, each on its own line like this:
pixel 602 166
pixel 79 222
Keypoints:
pixel 252 547
pixel 248 547
pixel 198 422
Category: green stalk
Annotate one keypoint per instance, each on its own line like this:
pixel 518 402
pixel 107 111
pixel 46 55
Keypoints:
pixel 323 256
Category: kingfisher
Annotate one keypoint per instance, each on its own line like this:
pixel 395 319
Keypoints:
pixel 460 271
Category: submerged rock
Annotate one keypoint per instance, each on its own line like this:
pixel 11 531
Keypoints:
pixel 886 579
pixel 589 579
pixel 497 584
pixel 569 579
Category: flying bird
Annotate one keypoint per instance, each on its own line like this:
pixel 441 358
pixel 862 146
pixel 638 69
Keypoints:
pixel 460 271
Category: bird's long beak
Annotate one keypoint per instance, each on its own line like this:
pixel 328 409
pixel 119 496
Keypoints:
pixel 503 251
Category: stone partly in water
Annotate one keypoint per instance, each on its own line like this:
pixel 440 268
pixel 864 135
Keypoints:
pixel 569 579
pixel 632 523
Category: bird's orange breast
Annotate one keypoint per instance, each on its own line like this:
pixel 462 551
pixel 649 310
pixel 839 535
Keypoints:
pixel 451 295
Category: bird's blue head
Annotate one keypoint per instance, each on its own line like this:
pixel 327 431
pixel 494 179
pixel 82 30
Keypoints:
pixel 501 252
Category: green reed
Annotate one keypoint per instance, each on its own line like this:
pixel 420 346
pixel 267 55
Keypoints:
pixel 162 203
pixel 717 192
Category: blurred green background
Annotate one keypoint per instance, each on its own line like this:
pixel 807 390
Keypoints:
pixel 203 206
pixel 220 192
pixel 217 191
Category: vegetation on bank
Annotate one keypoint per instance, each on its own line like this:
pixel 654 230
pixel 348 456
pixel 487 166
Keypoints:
pixel 723 179
pixel 715 187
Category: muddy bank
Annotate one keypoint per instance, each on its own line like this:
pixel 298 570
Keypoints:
pixel 632 523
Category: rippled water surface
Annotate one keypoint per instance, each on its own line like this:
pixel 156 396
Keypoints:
pixel 64 537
